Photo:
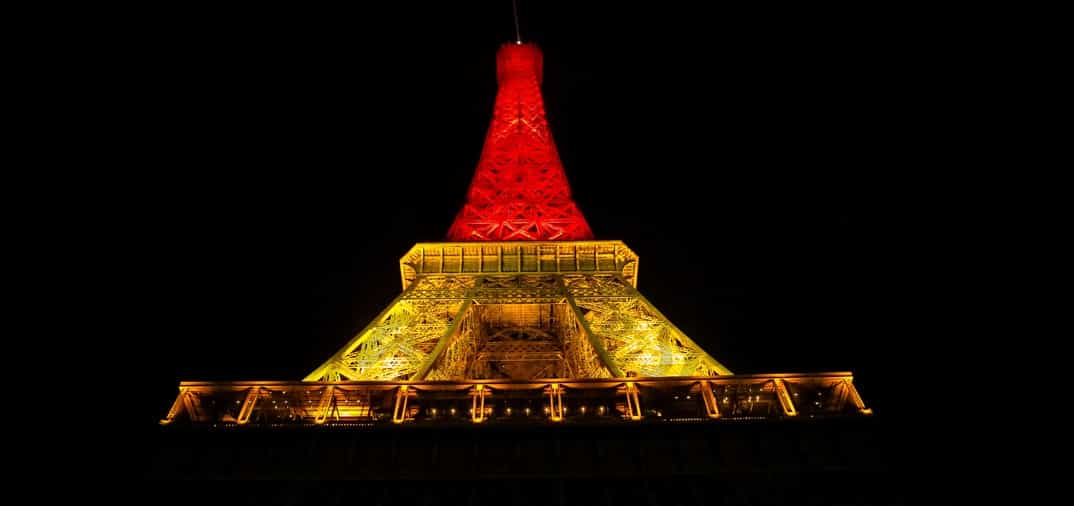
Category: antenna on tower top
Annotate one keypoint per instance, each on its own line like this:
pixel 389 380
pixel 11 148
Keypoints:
pixel 518 34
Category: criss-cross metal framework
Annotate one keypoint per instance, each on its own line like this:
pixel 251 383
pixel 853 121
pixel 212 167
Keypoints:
pixel 519 191
pixel 468 310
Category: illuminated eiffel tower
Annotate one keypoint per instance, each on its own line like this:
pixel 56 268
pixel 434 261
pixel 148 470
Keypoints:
pixel 522 317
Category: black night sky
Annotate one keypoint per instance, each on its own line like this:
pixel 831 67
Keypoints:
pixel 774 172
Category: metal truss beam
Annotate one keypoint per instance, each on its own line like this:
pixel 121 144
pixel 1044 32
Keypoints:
pixel 248 405
pixel 594 341
pixel 324 407
pixel 858 402
pixel 519 257
pixel 712 408
pixel 421 336
pixel 633 402
pixel 332 363
pixel 785 398
pixel 177 407
pixel 445 339
pixel 592 400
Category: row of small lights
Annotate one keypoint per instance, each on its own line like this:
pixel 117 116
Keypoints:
pixel 488 411
pixel 726 400
pixel 453 411
pixel 337 423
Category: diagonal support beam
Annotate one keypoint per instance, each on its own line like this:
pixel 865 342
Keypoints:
pixel 176 407
pixel 325 406
pixel 633 402
pixel 605 358
pixel 858 403
pixel 705 356
pixel 444 341
pixel 712 408
pixel 342 369
pixel 327 367
pixel 248 405
pixel 192 403
pixel 186 401
pixel 785 398
pixel 842 392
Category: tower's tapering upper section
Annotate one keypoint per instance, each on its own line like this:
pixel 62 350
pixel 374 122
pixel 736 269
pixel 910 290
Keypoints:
pixel 519 191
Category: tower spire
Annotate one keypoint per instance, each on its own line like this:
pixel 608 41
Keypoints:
pixel 519 191
pixel 518 33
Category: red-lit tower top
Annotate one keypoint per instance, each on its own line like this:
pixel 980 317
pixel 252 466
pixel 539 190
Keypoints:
pixel 519 191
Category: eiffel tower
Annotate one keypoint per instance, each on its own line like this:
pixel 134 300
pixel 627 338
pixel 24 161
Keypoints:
pixel 522 317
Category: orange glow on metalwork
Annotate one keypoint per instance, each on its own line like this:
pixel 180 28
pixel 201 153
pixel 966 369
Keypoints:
pixel 520 190
pixel 477 412
pixel 555 402
pixel 858 403
pixel 325 405
pixel 351 412
pixel 248 405
pixel 400 413
pixel 633 402
pixel 298 403
pixel 176 407
pixel 712 409
pixel 785 398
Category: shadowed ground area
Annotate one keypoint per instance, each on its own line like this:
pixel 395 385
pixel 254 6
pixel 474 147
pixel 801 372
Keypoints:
pixel 771 462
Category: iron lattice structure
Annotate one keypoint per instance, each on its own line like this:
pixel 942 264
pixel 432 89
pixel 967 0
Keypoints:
pixel 536 322
pixel 520 190
pixel 520 311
